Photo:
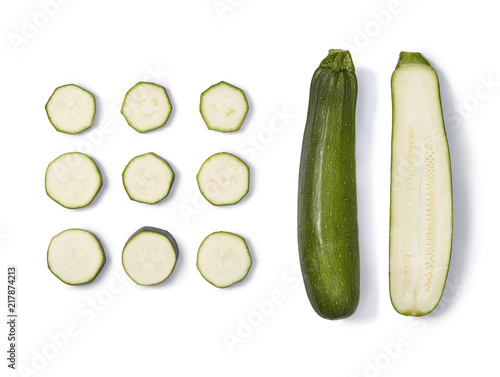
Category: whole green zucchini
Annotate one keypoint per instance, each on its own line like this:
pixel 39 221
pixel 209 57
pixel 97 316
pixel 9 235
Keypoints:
pixel 327 210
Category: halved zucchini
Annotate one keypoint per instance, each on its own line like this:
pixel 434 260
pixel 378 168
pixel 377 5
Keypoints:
pixel 149 256
pixel 71 109
pixel 223 259
pixel 223 179
pixel 146 106
pixel 75 256
pixel 421 190
pixel 223 107
pixel 147 178
pixel 73 180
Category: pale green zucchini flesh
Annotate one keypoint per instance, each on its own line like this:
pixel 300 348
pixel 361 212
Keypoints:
pixel 146 107
pixel 75 256
pixel 147 178
pixel 71 109
pixel 223 179
pixel 223 259
pixel 73 180
pixel 421 190
pixel 149 256
pixel 223 107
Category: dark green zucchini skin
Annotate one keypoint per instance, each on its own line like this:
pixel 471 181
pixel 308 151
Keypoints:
pixel 327 206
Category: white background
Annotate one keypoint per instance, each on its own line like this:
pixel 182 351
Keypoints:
pixel 270 50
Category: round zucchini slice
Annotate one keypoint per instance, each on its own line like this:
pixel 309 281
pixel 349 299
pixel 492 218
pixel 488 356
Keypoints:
pixel 146 107
pixel 223 107
pixel 147 178
pixel 223 259
pixel 73 180
pixel 149 256
pixel 71 109
pixel 75 256
pixel 223 179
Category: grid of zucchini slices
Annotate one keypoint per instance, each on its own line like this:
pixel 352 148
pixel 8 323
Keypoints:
pixel 76 256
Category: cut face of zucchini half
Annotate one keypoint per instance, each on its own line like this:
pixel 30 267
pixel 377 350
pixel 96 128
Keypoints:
pixel 146 107
pixel 223 179
pixel 223 107
pixel 72 180
pixel 75 256
pixel 147 178
pixel 223 259
pixel 71 109
pixel 149 256
pixel 421 189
